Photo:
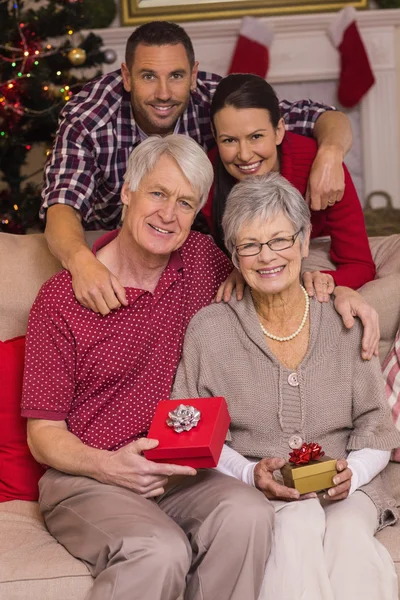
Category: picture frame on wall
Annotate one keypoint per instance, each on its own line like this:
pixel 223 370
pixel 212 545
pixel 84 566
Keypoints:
pixel 136 12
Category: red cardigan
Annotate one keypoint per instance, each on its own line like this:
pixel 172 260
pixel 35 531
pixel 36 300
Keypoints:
pixel 343 222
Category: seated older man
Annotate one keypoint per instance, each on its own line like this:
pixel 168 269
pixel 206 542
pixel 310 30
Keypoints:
pixel 91 387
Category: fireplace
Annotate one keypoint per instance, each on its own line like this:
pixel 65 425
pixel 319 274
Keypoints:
pixel 304 63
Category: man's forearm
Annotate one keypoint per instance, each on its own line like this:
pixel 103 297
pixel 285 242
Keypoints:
pixel 333 130
pixel 57 447
pixel 64 234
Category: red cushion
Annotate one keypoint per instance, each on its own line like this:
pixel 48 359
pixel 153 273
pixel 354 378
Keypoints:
pixel 19 472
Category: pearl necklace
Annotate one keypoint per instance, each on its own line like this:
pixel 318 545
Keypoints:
pixel 303 322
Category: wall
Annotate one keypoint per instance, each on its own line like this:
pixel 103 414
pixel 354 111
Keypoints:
pixel 302 52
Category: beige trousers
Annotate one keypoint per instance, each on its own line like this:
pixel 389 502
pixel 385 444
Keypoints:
pixel 207 538
pixel 328 553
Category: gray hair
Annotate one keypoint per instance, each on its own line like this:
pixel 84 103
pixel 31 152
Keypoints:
pixel 258 198
pixel 190 157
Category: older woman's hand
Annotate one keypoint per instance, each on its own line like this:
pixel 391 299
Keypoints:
pixel 265 482
pixel 320 284
pixel 234 280
pixel 342 482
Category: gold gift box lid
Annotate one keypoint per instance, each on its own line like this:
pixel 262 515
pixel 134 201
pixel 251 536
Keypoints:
pixel 315 476
pixel 315 467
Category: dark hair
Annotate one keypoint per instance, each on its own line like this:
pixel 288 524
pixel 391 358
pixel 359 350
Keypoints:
pixel 158 33
pixel 239 90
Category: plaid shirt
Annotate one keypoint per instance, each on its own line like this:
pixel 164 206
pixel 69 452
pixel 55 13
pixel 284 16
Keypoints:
pixel 97 133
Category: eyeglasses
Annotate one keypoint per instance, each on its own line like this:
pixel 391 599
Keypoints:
pixel 276 245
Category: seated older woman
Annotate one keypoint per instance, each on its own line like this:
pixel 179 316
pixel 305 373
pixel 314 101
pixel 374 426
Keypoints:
pixel 291 372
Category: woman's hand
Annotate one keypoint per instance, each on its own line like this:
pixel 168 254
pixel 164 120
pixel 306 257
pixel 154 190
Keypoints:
pixel 320 284
pixel 325 184
pixel 234 280
pixel 342 482
pixel 265 482
pixel 350 304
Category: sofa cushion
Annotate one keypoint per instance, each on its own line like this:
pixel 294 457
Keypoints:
pixel 32 563
pixel 25 264
pixel 19 472
pixel 383 293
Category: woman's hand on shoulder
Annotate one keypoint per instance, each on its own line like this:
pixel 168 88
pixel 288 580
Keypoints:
pixel 342 482
pixel 234 280
pixel 319 284
pixel 265 482
pixel 326 184
pixel 349 304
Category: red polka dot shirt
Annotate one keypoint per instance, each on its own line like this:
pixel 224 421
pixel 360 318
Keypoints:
pixel 105 375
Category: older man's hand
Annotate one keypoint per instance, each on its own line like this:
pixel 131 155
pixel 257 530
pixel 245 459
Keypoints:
pixel 342 482
pixel 95 287
pixel 234 280
pixel 325 184
pixel 128 468
pixel 350 304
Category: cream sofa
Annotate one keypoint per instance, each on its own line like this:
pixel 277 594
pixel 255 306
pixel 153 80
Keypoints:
pixel 33 566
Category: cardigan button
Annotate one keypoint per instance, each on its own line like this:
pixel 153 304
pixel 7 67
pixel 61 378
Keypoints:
pixel 293 380
pixel 295 441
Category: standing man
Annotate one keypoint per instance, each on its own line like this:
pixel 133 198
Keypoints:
pixel 91 386
pixel 159 90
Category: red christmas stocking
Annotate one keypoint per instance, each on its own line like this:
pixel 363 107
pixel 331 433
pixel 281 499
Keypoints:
pixel 251 54
pixel 356 76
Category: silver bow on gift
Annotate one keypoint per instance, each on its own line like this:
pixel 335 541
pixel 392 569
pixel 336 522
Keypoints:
pixel 183 418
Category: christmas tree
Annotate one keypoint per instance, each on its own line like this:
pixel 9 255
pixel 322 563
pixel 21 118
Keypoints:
pixel 44 60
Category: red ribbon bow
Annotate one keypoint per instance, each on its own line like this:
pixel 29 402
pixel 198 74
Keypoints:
pixel 305 454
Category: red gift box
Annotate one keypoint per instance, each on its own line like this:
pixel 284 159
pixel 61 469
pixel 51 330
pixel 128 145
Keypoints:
pixel 200 447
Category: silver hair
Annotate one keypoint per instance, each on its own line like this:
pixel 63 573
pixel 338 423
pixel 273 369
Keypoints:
pixel 258 198
pixel 188 154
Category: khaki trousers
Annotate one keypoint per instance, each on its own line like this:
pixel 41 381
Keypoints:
pixel 328 553
pixel 207 538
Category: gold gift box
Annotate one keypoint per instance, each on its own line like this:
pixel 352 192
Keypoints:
pixel 316 476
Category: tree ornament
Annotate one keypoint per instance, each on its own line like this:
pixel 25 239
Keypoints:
pixel 77 56
pixel 54 90
pixel 110 56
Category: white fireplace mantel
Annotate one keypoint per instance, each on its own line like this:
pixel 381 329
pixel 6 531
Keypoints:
pixel 302 51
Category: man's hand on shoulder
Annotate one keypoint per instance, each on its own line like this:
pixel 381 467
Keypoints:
pixel 95 287
pixel 128 468
pixel 350 304
pixel 234 280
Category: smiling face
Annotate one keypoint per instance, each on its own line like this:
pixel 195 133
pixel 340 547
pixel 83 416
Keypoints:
pixel 247 141
pixel 271 272
pixel 159 83
pixel 160 213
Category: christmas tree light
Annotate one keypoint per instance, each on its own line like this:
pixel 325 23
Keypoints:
pixel 37 78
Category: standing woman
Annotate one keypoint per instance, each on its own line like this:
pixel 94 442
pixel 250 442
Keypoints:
pixel 251 138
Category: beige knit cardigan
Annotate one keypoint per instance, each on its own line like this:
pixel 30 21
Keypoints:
pixel 340 400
